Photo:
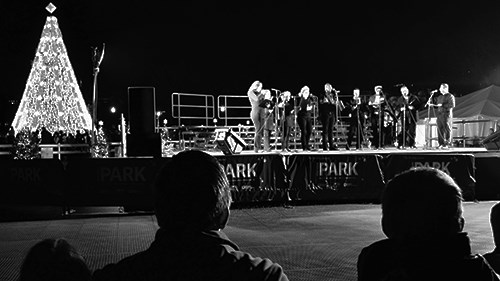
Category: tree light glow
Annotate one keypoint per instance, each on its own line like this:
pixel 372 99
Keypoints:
pixel 52 97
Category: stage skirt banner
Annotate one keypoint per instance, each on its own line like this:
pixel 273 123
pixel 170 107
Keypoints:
pixel 112 181
pixel 256 178
pixel 487 176
pixel 335 177
pixel 461 167
pixel 29 182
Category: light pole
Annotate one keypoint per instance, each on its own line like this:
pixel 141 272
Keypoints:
pixel 158 115
pixel 96 60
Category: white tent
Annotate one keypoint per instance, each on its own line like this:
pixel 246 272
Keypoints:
pixel 474 115
pixel 477 112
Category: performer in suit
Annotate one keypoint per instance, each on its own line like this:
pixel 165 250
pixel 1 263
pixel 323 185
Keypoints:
pixel 445 104
pixel 376 104
pixel 255 96
pixel 357 110
pixel 329 109
pixel 287 119
pixel 407 108
pixel 304 117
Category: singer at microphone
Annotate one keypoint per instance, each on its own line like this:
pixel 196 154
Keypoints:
pixel 304 117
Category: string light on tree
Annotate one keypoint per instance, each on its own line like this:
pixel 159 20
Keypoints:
pixel 52 96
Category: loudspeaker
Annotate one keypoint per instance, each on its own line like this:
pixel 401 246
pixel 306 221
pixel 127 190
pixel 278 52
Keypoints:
pixel 492 142
pixel 144 145
pixel 141 110
pixel 229 142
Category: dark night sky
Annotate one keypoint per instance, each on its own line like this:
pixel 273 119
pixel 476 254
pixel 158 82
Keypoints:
pixel 217 48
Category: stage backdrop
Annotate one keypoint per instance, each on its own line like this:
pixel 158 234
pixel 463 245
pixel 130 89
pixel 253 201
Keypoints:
pixel 253 178
pixel 459 166
pixel 27 182
pixel 335 177
pixel 256 178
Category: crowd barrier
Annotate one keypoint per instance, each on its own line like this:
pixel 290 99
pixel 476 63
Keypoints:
pixel 253 178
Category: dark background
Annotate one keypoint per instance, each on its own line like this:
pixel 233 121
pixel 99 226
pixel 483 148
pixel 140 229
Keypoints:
pixel 214 47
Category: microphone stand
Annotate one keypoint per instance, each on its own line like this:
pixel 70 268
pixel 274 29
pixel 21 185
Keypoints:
pixel 314 117
pixel 381 119
pixel 359 130
pixel 295 107
pixel 337 119
pixel 276 119
pixel 427 124
pixel 403 127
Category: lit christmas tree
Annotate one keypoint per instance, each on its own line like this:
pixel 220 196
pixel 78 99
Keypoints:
pixel 52 97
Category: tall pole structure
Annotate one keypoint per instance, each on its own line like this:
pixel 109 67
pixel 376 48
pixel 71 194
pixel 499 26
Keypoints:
pixel 97 57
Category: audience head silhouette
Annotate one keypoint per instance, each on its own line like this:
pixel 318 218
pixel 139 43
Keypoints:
pixel 192 193
pixel 422 204
pixel 422 219
pixel 54 260
pixel 495 223
pixel 192 200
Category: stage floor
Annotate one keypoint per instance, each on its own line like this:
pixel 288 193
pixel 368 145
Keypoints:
pixel 316 242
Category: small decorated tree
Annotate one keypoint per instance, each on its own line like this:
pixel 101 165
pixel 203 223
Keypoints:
pixel 25 148
pixel 100 149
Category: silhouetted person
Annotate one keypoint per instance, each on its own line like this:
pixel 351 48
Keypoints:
pixel 54 260
pixel 493 257
pixel 329 110
pixel 255 97
pixel 192 201
pixel 407 108
pixel 287 116
pixel 357 111
pixel 46 136
pixel 445 102
pixel 422 219
pixel 70 139
pixel 304 117
pixel 79 137
pixel 35 136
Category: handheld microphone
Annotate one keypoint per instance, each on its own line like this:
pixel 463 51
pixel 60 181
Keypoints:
pixel 434 91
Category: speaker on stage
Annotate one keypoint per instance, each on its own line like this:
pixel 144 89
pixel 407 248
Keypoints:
pixel 141 110
pixel 229 142
pixel 492 142
pixel 141 145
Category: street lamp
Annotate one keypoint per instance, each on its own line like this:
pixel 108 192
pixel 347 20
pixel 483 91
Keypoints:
pixel 158 114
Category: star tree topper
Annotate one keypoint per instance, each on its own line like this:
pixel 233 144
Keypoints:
pixel 51 8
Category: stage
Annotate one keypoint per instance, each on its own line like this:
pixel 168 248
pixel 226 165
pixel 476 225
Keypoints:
pixel 273 177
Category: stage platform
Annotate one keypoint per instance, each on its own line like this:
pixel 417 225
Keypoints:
pixel 275 177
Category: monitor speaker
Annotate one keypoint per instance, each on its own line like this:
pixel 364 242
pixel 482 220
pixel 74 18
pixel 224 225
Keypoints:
pixel 229 142
pixel 492 142
pixel 141 110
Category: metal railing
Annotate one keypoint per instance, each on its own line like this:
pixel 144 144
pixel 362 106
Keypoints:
pixel 193 106
pixel 58 150
pixel 231 107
